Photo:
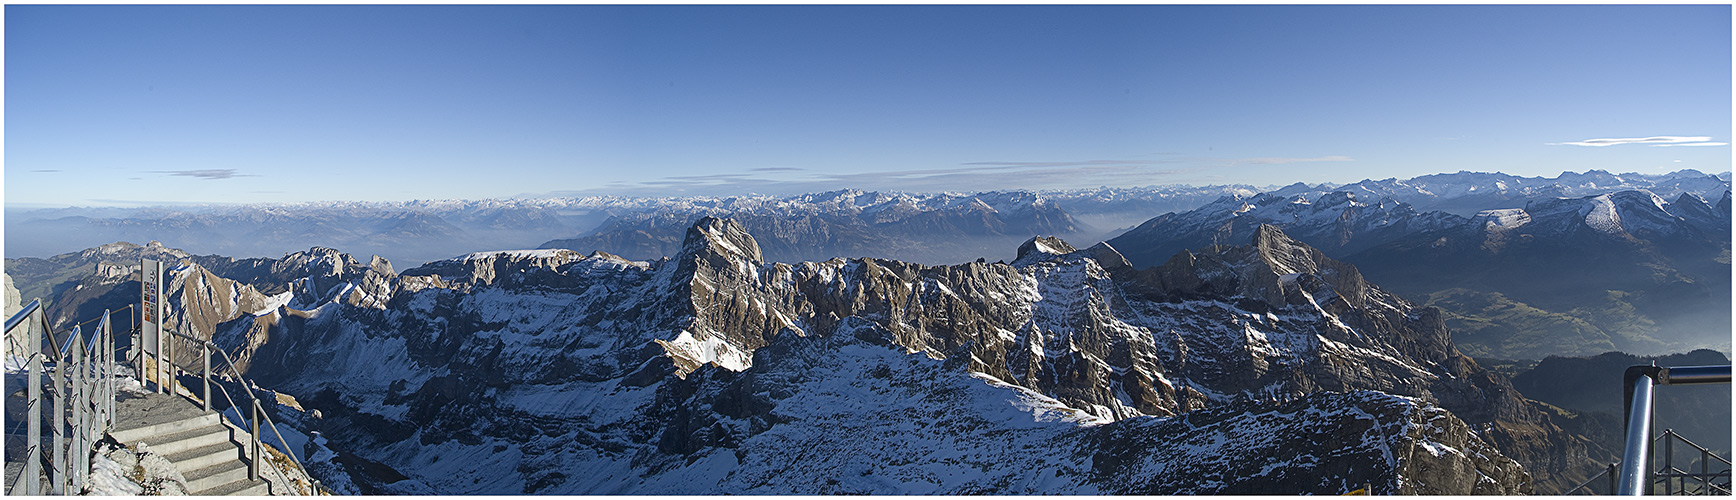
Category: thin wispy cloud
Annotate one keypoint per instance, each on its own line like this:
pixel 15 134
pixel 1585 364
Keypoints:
pixel 777 169
pixel 45 171
pixel 212 174
pixel 1660 140
pixel 1691 144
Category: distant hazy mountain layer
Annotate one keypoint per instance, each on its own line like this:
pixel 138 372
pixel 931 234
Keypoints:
pixel 938 228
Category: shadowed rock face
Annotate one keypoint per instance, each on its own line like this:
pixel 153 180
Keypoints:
pixel 682 362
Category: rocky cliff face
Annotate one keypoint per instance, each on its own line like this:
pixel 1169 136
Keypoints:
pixel 714 371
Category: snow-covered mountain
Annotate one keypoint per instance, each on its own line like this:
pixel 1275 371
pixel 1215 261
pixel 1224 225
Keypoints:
pixel 1626 270
pixel 931 228
pixel 1646 275
pixel 1465 193
pixel 716 371
pixel 1338 223
pixel 850 223
pixel 946 227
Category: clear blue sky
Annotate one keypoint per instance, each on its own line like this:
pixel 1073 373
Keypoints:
pixel 116 105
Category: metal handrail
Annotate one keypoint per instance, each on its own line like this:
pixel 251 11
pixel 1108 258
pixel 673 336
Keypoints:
pixel 1609 473
pixel 206 347
pixel 1637 388
pixel 1669 471
pixel 84 376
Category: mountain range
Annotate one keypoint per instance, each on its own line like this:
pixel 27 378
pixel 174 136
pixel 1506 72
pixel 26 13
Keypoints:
pixel 940 228
pixel 551 371
pixel 1626 270
pixel 768 345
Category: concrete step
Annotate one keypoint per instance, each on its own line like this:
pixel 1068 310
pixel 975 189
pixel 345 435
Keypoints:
pixel 206 478
pixel 187 440
pixel 204 456
pixel 143 427
pixel 243 487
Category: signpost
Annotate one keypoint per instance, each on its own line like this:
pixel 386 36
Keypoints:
pixel 151 312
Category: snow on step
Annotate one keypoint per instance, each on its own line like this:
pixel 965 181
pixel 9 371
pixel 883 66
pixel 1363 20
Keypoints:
pixel 206 451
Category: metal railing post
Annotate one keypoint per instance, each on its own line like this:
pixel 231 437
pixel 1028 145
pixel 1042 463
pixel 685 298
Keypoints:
pixel 139 355
pixel 253 467
pixel 1612 475
pixel 112 370
pixel 1669 458
pixel 1705 473
pixel 33 462
pixel 59 423
pixel 1638 385
pixel 158 371
pixel 205 355
pixel 1634 462
pixel 80 404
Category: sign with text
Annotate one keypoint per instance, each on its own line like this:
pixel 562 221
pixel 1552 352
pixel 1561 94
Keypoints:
pixel 150 304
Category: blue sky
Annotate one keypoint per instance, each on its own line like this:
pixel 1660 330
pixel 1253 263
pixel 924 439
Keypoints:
pixel 123 105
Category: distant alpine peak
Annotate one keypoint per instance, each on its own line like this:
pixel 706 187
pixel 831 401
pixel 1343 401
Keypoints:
pixel 1624 214
pixel 543 253
pixel 1042 245
pixel 721 236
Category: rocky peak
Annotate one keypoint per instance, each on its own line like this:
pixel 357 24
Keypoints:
pixel 1043 245
pixel 1282 254
pixel 1336 199
pixel 317 261
pixel 381 265
pixel 1107 257
pixel 1273 269
pixel 721 238
pixel 122 251
pixel 488 268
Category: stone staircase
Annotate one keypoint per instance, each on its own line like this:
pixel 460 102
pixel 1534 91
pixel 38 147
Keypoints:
pixel 208 452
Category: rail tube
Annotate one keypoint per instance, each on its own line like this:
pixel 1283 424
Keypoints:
pixel 1634 475
pixel 1638 385
pixel 82 378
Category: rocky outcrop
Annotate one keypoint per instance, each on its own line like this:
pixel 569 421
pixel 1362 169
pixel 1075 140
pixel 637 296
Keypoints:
pixel 1391 445
pixel 13 302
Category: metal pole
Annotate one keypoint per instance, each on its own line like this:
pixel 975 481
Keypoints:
pixel 33 463
pixel 1639 424
pixel 139 354
pixel 1669 458
pixel 1692 375
pixel 79 403
pixel 109 345
pixel 205 353
pixel 1611 472
pixel 59 422
pixel 1705 473
pixel 253 467
pixel 158 371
